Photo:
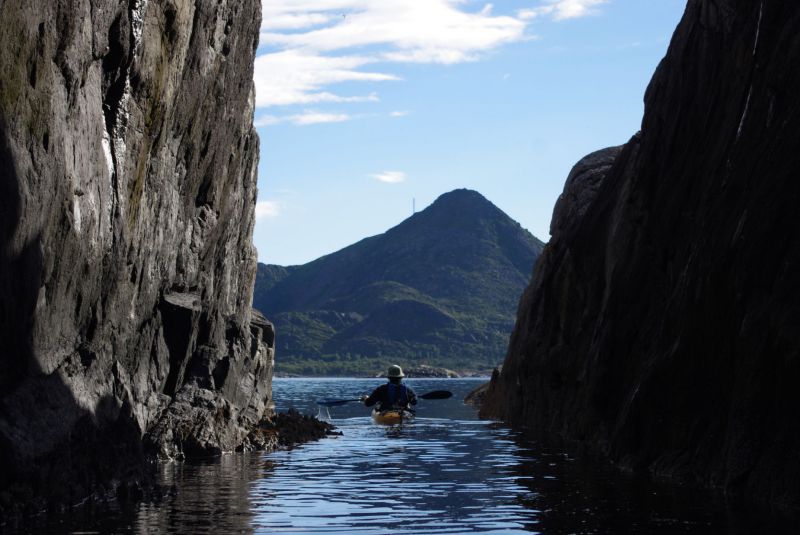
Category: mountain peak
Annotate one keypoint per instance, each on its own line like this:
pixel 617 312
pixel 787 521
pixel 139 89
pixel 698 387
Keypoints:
pixel 462 194
pixel 462 198
pixel 458 207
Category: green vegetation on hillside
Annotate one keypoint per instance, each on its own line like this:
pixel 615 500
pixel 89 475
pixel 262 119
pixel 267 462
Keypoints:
pixel 441 288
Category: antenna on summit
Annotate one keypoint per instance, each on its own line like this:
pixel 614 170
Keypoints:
pixel 413 205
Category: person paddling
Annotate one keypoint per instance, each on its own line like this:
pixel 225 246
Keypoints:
pixel 394 394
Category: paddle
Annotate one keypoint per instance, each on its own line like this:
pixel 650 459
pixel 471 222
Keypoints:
pixel 436 394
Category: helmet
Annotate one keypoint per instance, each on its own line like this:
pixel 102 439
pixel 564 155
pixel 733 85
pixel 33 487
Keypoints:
pixel 395 371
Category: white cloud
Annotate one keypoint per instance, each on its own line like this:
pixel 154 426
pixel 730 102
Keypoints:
pixel 315 44
pixel 399 113
pixel 434 26
pixel 390 177
pixel 297 77
pixel 302 119
pixel 313 117
pixel 266 120
pixel 562 9
pixel 294 21
pixel 267 209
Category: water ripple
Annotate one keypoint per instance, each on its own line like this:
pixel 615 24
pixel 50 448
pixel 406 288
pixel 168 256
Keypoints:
pixel 436 475
pixel 445 473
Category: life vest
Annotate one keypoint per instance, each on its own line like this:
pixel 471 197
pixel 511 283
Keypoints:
pixel 396 394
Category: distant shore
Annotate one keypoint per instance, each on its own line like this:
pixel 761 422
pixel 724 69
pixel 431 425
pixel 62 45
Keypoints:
pixel 295 376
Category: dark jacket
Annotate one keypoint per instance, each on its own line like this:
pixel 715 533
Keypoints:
pixel 392 395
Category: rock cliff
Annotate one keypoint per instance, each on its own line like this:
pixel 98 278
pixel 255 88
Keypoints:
pixel 128 161
pixel 661 324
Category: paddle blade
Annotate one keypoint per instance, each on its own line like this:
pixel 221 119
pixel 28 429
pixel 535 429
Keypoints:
pixel 437 394
pixel 334 402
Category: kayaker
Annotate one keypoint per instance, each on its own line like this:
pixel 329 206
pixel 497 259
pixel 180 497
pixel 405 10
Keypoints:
pixel 394 394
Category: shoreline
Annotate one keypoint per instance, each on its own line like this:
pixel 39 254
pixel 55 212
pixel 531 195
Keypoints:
pixel 353 377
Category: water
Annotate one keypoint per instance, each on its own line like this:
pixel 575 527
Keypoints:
pixel 447 472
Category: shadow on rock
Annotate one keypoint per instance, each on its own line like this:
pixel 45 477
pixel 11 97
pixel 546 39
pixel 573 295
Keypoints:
pixel 63 454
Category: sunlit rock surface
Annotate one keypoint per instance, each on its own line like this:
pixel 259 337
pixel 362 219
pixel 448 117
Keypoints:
pixel 128 162
pixel 662 322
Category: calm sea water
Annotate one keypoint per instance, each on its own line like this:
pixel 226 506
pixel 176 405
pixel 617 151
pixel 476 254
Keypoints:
pixel 446 472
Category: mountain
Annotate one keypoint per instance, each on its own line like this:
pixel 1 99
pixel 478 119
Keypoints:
pixel 440 288
pixel 661 325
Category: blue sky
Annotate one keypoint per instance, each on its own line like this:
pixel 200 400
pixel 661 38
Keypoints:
pixel 364 105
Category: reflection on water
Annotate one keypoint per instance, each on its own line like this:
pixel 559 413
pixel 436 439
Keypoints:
pixel 445 473
pixel 209 497
pixel 432 476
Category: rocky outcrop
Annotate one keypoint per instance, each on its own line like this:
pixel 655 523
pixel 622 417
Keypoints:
pixel 289 429
pixel 661 324
pixel 423 370
pixel 128 163
pixel 581 189
pixel 477 395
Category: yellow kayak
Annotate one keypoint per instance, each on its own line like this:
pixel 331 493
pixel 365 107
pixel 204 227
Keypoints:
pixel 392 417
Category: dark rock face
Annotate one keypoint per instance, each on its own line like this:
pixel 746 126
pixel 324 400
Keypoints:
pixel 581 189
pixel 128 163
pixel 661 325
